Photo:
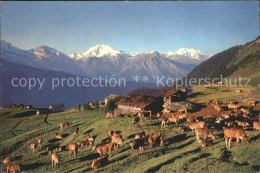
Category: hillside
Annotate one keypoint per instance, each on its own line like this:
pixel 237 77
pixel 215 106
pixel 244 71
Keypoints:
pixel 181 152
pixel 237 61
pixel 69 96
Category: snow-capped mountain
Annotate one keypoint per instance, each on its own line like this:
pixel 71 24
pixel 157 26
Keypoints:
pixel 103 60
pixel 97 51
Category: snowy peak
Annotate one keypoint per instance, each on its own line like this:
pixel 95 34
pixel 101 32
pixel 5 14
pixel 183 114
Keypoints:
pixel 97 51
pixel 45 51
pixel 186 52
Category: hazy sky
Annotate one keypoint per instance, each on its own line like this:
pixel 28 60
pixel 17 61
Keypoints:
pixel 130 26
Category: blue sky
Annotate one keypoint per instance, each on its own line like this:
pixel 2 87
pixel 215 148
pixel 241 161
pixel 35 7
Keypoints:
pixel 130 26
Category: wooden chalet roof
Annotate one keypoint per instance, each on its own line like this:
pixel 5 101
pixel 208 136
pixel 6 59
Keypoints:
pixel 136 101
pixel 144 91
pixel 170 92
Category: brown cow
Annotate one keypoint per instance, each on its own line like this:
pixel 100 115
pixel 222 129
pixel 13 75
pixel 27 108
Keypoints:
pixel 256 125
pixel 109 114
pixel 65 124
pixel 13 168
pixel 99 162
pixel 73 147
pixel 181 110
pixel 155 137
pixel 173 119
pixel 7 160
pixel 102 149
pixel 55 159
pixel 234 133
pixel 204 144
pixel 137 144
pixel 197 124
pixel 32 146
pixel 217 108
pixel 140 135
pixel 246 111
pixel 205 132
pixel 76 131
pixel 233 106
pixel 39 140
pixel 90 139
pixel 242 123
pixel 59 136
pixel 251 102
pixel 117 140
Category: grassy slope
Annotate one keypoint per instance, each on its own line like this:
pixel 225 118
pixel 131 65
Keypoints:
pixel 181 152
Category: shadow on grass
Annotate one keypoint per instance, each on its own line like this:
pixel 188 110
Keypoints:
pixel 184 145
pixel 205 155
pixel 54 140
pixel 130 136
pixel 127 148
pixel 26 167
pixel 89 157
pixel 177 138
pixel 89 131
pixel 24 114
pixel 120 158
pixel 254 138
pixel 226 155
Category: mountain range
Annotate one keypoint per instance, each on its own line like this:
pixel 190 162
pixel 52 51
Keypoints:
pixel 103 60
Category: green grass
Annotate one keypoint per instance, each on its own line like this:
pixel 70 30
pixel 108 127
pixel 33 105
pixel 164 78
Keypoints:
pixel 181 152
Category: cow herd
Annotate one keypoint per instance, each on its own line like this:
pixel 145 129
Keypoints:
pixel 234 122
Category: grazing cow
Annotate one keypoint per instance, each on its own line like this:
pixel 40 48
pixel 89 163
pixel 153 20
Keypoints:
pixel 204 144
pixel 166 110
pixel 39 140
pixel 226 115
pixel 32 146
pixel 197 124
pixel 256 125
pixel 55 159
pixel 82 144
pixel 13 168
pixel 246 111
pixel 65 124
pixel 182 116
pixel 205 132
pixel 102 149
pixel 73 148
pixel 140 135
pixel 59 136
pixel 76 131
pixel 90 139
pixel 137 144
pixel 155 137
pixel 109 114
pixel 164 121
pixel 242 123
pixel 234 133
pixel 173 119
pixel 118 140
pixel 53 147
pixel 135 120
pixel 7 160
pixel 233 106
pixel 251 102
pixel 99 162
pixel 217 108
pixel 181 110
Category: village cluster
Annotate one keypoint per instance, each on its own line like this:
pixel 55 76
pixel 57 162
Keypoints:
pixel 232 117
